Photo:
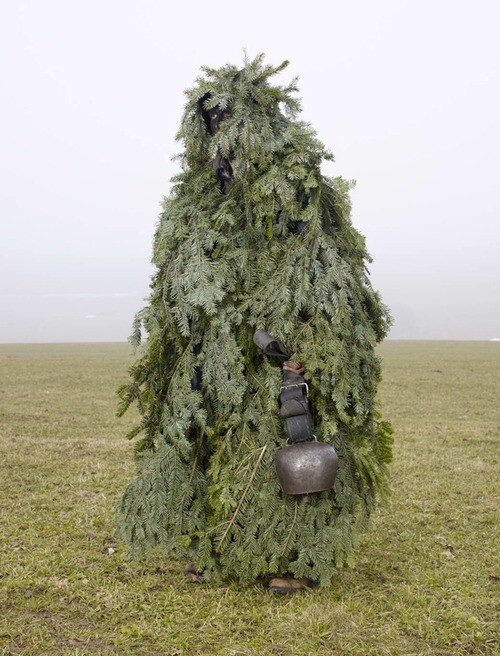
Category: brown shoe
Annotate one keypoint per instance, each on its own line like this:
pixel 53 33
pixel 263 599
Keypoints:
pixel 289 585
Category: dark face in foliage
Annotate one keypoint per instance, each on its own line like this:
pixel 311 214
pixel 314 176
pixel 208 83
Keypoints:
pixel 213 116
pixel 222 166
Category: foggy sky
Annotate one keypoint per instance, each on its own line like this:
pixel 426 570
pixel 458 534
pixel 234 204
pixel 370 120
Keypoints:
pixel 406 94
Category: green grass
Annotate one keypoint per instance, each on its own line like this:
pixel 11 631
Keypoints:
pixel 426 580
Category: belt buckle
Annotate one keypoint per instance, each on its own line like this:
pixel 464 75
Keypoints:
pixel 296 385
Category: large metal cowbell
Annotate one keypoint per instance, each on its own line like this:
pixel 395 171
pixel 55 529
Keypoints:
pixel 305 465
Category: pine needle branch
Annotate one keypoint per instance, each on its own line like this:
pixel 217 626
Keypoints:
pixel 238 507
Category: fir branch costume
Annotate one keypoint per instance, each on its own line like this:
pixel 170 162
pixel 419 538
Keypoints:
pixel 271 247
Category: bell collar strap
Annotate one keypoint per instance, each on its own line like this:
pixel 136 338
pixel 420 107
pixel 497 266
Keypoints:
pixel 294 401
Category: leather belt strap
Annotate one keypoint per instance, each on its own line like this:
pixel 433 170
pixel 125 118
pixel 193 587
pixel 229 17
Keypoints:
pixel 294 402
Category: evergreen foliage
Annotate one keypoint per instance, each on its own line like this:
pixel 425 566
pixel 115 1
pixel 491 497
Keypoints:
pixel 229 262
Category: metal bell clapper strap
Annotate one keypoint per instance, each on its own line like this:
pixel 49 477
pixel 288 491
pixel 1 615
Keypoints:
pixel 304 465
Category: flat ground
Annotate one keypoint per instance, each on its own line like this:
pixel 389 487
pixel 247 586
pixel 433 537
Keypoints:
pixel 426 579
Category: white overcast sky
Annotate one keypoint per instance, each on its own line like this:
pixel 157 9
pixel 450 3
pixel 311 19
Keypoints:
pixel 405 93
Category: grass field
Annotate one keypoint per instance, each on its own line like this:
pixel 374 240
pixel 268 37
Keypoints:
pixel 426 579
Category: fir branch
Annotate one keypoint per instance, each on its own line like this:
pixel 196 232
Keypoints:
pixel 238 507
pixel 292 527
pixel 187 487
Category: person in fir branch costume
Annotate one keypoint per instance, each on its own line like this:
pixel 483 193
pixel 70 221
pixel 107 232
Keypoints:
pixel 253 237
